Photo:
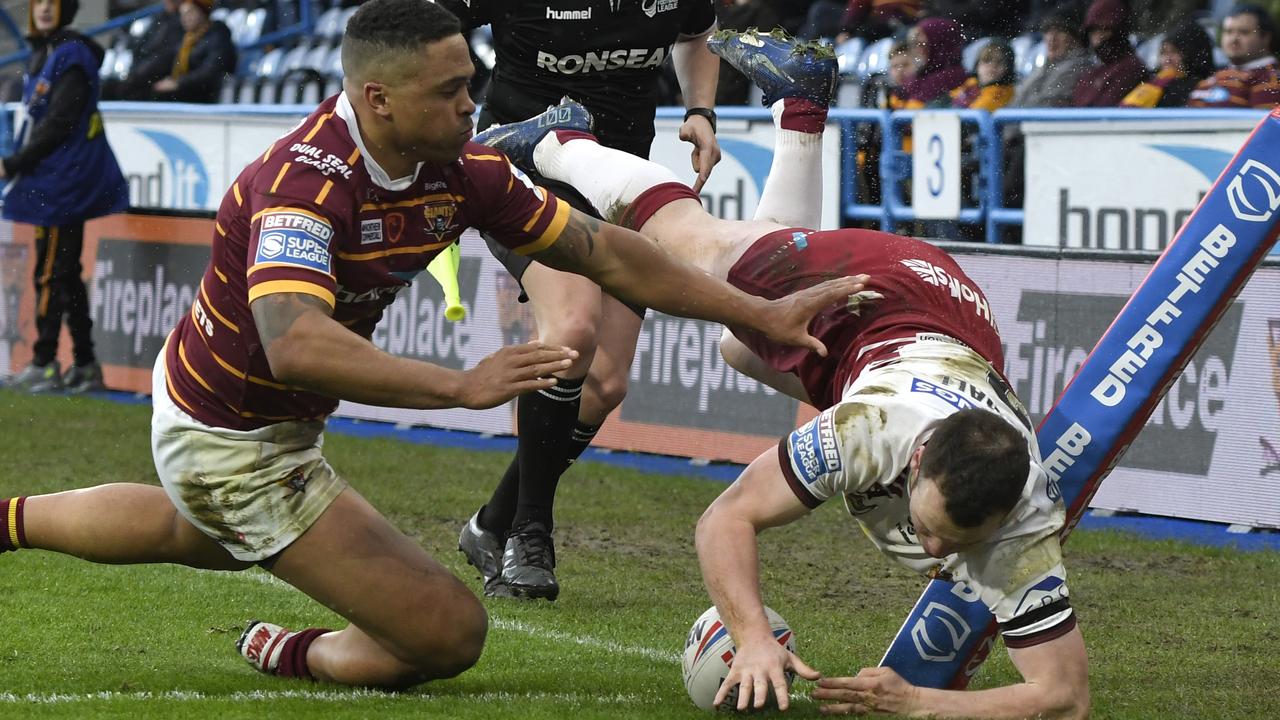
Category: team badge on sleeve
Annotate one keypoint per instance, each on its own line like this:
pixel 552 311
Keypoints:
pixel 295 237
pixel 815 450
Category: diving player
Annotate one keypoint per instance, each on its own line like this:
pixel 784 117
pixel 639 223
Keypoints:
pixel 919 432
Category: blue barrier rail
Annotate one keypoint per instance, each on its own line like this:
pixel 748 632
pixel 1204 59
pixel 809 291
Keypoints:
pixel 984 207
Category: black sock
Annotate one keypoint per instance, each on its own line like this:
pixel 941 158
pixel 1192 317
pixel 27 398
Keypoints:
pixel 496 514
pixel 547 419
pixel 581 438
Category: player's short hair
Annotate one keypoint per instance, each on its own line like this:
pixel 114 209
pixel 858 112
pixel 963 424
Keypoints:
pixel 980 464
pixel 386 27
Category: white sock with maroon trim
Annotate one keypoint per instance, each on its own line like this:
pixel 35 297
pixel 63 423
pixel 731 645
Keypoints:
pixel 610 179
pixel 792 194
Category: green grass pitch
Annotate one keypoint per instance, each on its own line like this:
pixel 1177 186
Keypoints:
pixel 1174 630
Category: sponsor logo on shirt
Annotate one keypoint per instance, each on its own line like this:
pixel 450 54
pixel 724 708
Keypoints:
pixel 939 277
pixel 371 231
pixel 950 397
pixel 294 238
pixel 1044 593
pixel 653 7
pixel 568 14
pixel 327 163
pixel 632 58
pixel 815 450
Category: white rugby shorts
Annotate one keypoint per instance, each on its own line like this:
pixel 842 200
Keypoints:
pixel 255 492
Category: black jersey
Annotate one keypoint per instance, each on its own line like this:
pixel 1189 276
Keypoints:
pixel 606 54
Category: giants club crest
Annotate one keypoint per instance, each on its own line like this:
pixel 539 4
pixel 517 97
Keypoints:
pixel 439 218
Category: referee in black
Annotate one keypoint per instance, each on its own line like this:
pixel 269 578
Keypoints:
pixel 607 55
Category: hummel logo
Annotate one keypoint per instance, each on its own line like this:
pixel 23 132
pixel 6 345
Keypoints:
pixel 568 14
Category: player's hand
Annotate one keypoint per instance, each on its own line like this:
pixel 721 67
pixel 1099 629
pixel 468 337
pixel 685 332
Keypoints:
pixel 511 371
pixel 873 690
pixel 787 318
pixel 758 667
pixel 706 149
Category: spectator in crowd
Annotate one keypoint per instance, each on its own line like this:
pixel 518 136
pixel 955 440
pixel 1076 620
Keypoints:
pixel 153 55
pixel 1107 25
pixel 870 19
pixel 1248 34
pixel 62 174
pixel 938 45
pixel 1065 60
pixel 992 85
pixel 203 60
pixel 1051 85
pixel 890 94
pixel 1186 58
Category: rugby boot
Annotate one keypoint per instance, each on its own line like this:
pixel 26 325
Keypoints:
pixel 38 378
pixel 518 139
pixel 780 65
pixel 483 550
pixel 84 378
pixel 260 645
pixel 528 565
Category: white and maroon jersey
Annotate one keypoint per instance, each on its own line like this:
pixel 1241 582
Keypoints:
pixel 860 449
pixel 315 214
pixel 922 290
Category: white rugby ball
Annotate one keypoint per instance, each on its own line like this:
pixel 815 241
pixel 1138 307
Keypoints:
pixel 708 655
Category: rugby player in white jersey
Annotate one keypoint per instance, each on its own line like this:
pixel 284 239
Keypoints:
pixel 919 433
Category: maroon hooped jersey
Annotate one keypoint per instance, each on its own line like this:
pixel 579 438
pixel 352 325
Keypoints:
pixel 315 214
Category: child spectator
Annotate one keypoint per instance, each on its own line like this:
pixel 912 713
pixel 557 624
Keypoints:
pixel 992 85
pixel 1186 58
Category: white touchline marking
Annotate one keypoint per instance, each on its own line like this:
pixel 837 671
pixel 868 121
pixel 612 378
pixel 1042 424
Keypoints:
pixel 343 696
pixel 586 640
pixel 512 625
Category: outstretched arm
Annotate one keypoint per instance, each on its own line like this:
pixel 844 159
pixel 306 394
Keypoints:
pixel 727 553
pixel 308 349
pixel 1055 685
pixel 631 267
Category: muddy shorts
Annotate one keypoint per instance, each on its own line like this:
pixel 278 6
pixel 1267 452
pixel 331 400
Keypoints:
pixel 254 491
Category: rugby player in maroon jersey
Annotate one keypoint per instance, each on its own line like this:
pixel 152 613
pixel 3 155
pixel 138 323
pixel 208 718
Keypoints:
pixel 311 243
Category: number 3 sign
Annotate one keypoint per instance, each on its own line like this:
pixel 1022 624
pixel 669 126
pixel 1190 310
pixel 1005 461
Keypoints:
pixel 935 166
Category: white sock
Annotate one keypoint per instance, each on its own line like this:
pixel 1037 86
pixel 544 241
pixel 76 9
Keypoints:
pixel 792 193
pixel 609 179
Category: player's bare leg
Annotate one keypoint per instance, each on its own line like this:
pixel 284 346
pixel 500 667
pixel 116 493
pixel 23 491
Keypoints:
pixel 119 524
pixel 411 619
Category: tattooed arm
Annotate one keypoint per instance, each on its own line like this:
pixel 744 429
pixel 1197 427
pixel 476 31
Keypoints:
pixel 308 349
pixel 631 267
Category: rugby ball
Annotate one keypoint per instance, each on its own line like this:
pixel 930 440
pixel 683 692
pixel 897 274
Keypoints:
pixel 708 655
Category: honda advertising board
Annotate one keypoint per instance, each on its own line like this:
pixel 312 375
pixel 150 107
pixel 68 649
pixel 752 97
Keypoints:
pixel 1121 186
